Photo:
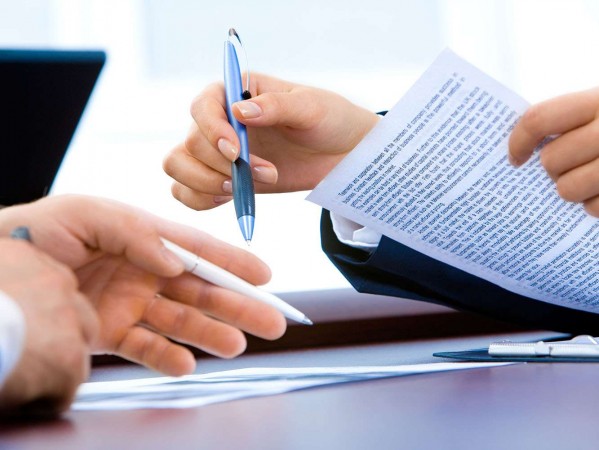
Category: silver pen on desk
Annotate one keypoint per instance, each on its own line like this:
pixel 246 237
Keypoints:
pixel 217 275
pixel 241 172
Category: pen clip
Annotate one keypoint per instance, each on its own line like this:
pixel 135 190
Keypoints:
pixel 237 43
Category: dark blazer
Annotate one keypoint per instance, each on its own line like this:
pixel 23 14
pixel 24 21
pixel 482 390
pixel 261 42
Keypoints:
pixel 396 270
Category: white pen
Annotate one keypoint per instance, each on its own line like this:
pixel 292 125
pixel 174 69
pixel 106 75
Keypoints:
pixel 217 275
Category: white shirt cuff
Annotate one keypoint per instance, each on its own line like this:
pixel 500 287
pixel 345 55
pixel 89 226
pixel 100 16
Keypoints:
pixel 12 335
pixel 355 235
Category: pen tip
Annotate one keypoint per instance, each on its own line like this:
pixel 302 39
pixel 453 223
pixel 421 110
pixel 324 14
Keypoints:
pixel 307 321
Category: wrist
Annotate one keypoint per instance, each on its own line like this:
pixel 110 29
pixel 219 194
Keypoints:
pixel 363 123
pixel 12 335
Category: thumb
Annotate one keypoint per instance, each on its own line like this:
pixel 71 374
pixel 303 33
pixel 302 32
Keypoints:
pixel 295 108
pixel 115 228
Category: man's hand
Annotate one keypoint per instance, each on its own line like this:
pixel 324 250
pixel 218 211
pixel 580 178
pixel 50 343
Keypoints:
pixel 61 329
pixel 145 301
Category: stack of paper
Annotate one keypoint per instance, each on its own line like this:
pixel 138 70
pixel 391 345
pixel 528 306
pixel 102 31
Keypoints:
pixel 199 390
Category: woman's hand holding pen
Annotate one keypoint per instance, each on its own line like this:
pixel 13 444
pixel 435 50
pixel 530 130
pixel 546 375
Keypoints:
pixel 571 159
pixel 145 301
pixel 297 135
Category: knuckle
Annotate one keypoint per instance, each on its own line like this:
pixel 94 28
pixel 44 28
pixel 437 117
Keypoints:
pixel 272 101
pixel 197 104
pixel 191 142
pixel 200 103
pixel 168 164
pixel 176 190
pixel 180 193
pixel 192 199
pixel 180 319
pixel 532 120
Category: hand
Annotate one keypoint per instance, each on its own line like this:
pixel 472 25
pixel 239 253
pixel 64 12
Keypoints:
pixel 572 159
pixel 297 135
pixel 138 287
pixel 61 328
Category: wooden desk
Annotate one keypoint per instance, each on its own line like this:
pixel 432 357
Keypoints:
pixel 540 406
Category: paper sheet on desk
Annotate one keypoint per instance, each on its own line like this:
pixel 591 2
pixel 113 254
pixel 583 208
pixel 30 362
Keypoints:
pixel 199 390
pixel 434 176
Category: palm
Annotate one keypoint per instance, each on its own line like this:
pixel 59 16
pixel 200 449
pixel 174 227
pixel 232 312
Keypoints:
pixel 121 294
pixel 141 314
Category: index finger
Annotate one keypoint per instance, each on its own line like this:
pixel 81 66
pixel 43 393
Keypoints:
pixel 262 84
pixel 231 258
pixel 554 116
pixel 210 115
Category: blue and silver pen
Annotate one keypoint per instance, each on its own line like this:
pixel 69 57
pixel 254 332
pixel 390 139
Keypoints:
pixel 243 184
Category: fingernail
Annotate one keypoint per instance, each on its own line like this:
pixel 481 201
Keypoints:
pixel 249 110
pixel 513 161
pixel 227 148
pixel 227 186
pixel 267 175
pixel 173 260
pixel 220 199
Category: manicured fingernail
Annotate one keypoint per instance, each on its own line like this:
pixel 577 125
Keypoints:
pixel 267 175
pixel 220 199
pixel 249 110
pixel 227 186
pixel 227 148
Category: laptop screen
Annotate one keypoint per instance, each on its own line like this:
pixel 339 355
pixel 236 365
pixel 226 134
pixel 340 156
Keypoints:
pixel 42 96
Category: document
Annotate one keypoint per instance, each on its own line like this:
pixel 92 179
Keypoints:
pixel 434 176
pixel 204 389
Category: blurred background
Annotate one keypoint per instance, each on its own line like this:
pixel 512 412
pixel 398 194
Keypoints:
pixel 162 53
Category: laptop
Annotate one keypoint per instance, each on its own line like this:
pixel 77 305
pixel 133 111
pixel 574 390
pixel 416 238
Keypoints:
pixel 42 96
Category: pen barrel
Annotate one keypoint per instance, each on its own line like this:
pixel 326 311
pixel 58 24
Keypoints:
pixel 243 188
pixel 243 184
pixel 220 277
pixel 234 93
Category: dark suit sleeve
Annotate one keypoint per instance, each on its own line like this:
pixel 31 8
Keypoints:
pixel 396 270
